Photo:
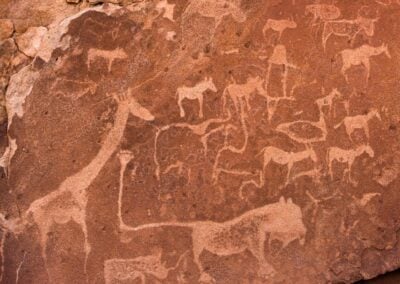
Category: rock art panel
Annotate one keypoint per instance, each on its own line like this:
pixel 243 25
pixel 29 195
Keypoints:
pixel 200 142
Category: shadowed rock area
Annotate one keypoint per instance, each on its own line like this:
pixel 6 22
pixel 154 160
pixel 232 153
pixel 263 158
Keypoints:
pixel 200 141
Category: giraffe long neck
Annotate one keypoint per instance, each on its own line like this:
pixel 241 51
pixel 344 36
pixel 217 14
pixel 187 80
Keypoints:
pixel 85 177
pixel 78 182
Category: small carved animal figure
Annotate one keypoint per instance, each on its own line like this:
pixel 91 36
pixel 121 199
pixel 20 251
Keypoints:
pixel 351 123
pixel 202 130
pixel 348 157
pixel 281 157
pixel 216 9
pixel 283 220
pixel 288 129
pixel 239 92
pixel 195 93
pixel 328 100
pixel 361 56
pixel 279 26
pixel 109 55
pixel 323 12
pixel 348 28
pixel 139 267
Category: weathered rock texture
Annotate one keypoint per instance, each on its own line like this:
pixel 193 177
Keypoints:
pixel 213 141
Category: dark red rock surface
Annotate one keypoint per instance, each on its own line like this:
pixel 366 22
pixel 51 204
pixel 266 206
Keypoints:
pixel 213 141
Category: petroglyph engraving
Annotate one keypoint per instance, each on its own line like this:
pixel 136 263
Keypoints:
pixel 315 174
pixel 366 198
pixel 272 104
pixel 323 12
pixel 68 202
pixel 352 123
pixel 348 157
pixel 216 9
pixel 200 129
pixel 240 93
pixel 348 28
pixel 76 87
pixel 228 147
pixel 109 55
pixel 279 26
pixel 166 9
pixel 124 157
pixel 231 51
pixel 281 157
pixel 263 112
pixel 195 93
pixel 257 183
pixel 279 57
pixel 137 268
pixel 328 101
pixel 361 56
pixel 287 128
pixel 19 269
pixel 282 220
pixel 5 160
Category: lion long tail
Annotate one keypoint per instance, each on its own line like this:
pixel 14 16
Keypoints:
pixel 163 224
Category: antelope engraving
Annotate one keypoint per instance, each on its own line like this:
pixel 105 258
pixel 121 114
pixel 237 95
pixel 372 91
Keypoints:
pixel 348 157
pixel 323 12
pixel 109 55
pixel 281 157
pixel 240 93
pixel 117 269
pixel 361 56
pixel 348 28
pixel 279 26
pixel 351 123
pixel 195 93
pixel 328 101
pixel 283 220
pixel 216 9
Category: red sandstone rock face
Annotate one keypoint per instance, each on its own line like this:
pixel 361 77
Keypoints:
pixel 204 141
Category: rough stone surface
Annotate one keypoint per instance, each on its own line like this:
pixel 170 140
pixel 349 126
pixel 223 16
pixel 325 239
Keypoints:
pixel 29 42
pixel 6 29
pixel 211 141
